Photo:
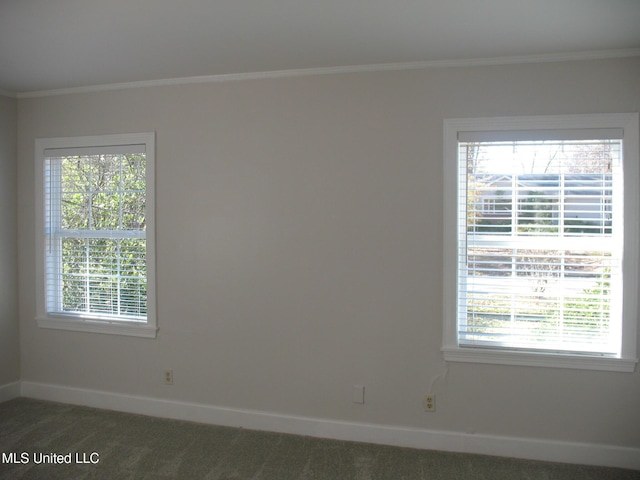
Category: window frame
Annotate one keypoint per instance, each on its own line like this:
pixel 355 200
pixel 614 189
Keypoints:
pixel 455 352
pixel 89 322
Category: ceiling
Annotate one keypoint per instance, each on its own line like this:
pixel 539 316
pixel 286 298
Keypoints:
pixel 62 44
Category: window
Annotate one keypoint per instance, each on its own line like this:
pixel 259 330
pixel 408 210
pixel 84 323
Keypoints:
pixel 541 241
pixel 95 234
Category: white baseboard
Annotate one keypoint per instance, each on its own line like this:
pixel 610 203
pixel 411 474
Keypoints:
pixel 525 448
pixel 9 391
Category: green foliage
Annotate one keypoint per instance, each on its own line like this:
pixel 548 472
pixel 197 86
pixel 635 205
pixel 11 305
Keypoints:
pixel 589 311
pixel 575 226
pixel 103 192
pixel 105 195
pixel 536 214
pixel 582 315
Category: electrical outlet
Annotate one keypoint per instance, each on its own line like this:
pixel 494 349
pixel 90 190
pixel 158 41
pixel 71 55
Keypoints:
pixel 168 377
pixel 430 403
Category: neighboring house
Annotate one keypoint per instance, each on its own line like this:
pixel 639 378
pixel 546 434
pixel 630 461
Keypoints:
pixel 582 200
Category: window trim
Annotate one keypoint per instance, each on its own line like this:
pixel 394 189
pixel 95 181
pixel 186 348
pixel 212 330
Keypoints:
pixel 94 323
pixel 452 351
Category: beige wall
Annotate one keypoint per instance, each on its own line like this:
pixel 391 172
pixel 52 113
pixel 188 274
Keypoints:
pixel 299 240
pixel 9 344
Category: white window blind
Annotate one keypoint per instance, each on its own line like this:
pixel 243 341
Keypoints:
pixel 540 240
pixel 95 232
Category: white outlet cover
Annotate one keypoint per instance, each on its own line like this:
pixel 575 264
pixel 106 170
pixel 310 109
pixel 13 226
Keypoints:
pixel 358 394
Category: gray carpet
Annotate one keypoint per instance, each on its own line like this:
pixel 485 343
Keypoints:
pixel 137 447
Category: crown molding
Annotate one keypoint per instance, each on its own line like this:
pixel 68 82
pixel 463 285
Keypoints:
pixel 6 93
pixel 473 62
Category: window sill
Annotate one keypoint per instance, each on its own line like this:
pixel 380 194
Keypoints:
pixel 97 326
pixel 532 359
